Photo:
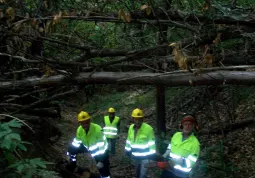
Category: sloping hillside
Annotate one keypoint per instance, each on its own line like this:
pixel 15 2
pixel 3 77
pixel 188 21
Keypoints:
pixel 228 155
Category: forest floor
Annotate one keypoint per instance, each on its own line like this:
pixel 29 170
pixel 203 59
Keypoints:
pixel 226 156
pixel 120 165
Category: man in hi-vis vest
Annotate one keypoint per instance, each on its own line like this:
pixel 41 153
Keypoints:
pixel 183 150
pixel 89 138
pixel 140 143
pixel 111 129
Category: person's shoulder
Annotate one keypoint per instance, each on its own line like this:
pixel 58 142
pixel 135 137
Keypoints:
pixel 96 126
pixel 177 134
pixel 147 126
pixel 131 126
pixel 79 128
pixel 194 139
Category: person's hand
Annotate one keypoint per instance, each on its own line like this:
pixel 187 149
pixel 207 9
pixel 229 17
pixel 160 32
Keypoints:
pixel 100 165
pixel 166 154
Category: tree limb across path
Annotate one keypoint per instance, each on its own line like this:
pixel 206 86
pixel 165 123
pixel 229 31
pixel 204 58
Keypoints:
pixel 138 78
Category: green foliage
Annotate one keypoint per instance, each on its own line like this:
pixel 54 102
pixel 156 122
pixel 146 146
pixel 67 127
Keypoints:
pixel 8 139
pixel 231 43
pixel 213 162
pixel 10 143
pixel 31 167
pixel 123 102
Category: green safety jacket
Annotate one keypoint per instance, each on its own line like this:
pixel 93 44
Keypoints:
pixel 110 129
pixel 184 153
pixel 142 144
pixel 94 140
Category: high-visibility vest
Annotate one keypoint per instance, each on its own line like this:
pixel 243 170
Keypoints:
pixel 142 144
pixel 94 140
pixel 110 129
pixel 187 151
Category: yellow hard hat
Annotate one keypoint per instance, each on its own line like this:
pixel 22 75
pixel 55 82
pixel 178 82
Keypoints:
pixel 83 116
pixel 111 110
pixel 137 113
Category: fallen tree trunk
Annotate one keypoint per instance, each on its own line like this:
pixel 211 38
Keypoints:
pixel 136 78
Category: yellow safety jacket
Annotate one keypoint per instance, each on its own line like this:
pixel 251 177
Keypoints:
pixel 142 144
pixel 185 152
pixel 94 140
pixel 110 129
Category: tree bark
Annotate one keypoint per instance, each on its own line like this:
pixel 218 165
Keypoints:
pixel 136 78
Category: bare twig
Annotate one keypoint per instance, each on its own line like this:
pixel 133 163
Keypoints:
pixel 23 122
pixel 46 100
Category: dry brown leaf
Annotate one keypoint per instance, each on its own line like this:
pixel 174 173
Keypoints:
pixel 1 13
pixel 217 39
pixel 208 59
pixel 57 18
pixel 10 13
pixel 126 17
pixel 41 29
pixel 179 57
pixel 121 13
pixel 146 8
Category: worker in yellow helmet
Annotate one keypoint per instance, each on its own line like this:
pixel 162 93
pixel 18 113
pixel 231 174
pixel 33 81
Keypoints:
pixel 140 143
pixel 111 129
pixel 90 138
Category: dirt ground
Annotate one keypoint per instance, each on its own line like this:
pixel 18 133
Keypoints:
pixel 120 165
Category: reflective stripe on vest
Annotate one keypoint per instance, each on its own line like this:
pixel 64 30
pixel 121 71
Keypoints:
pixel 110 129
pixel 94 140
pixel 141 148
pixel 184 153
pixel 188 161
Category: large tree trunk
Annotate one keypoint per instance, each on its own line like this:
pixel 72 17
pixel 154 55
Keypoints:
pixel 135 78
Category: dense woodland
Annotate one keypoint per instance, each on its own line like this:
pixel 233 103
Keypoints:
pixel 61 56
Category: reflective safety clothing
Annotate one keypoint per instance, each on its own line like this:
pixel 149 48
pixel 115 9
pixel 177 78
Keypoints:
pixel 183 153
pixel 110 129
pixel 142 143
pixel 94 140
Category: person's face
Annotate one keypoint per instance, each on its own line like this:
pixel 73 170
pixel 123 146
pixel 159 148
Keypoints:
pixel 85 124
pixel 111 114
pixel 138 122
pixel 188 127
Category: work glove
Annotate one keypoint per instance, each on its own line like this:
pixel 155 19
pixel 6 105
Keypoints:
pixel 100 165
pixel 166 154
pixel 163 165
pixel 70 157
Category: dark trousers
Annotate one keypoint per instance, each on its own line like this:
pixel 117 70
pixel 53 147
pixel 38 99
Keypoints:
pixel 111 143
pixel 104 172
pixel 168 174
